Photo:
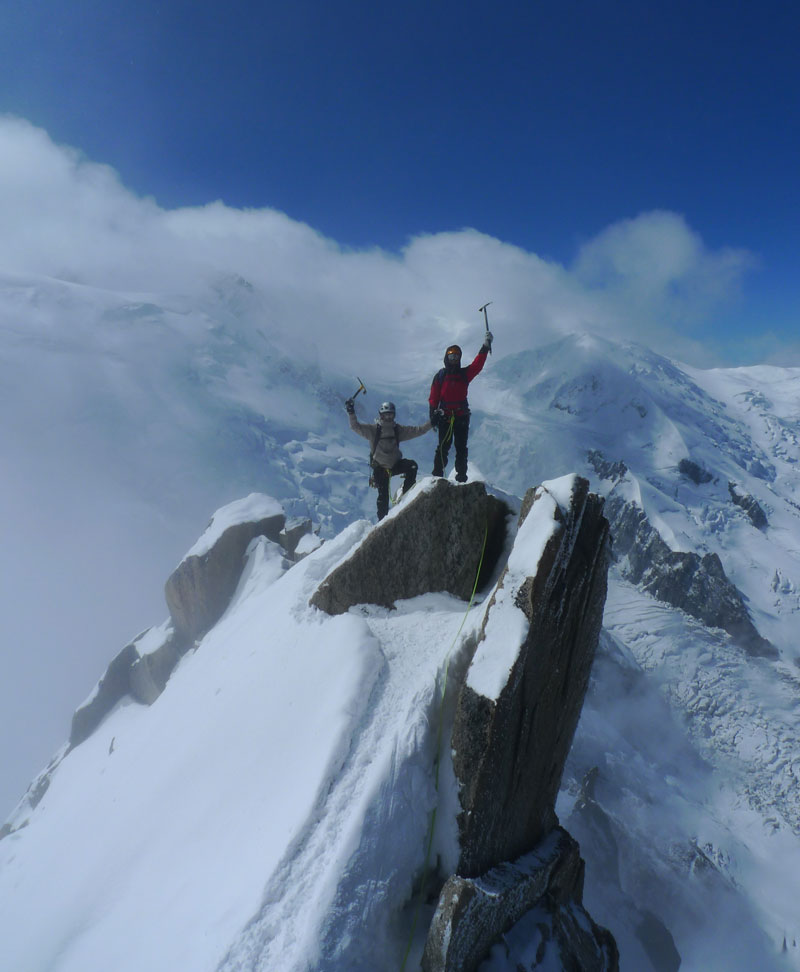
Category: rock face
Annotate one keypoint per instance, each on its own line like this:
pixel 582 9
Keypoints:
pixel 433 543
pixel 471 910
pixel 538 701
pixel 750 505
pixel 140 670
pixel 697 585
pixel 513 727
pixel 201 587
pixel 198 592
pixel 698 475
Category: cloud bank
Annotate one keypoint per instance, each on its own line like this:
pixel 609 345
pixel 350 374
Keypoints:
pixel 650 278
pixel 107 379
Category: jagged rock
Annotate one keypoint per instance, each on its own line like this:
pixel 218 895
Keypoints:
pixel 474 913
pixel 33 796
pixel 201 587
pixel 695 472
pixel 697 585
pixel 750 505
pixel 605 468
pixel 140 670
pixel 112 687
pixel 530 691
pixel 432 543
pixel 292 533
pixel 160 650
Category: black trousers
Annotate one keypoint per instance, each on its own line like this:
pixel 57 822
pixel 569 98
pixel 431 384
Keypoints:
pixel 457 432
pixel 381 476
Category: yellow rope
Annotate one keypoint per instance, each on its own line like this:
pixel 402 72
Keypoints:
pixel 432 825
pixel 445 439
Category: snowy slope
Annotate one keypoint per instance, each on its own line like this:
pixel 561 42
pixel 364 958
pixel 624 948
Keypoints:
pixel 190 403
pixel 282 782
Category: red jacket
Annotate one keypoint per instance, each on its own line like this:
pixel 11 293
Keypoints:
pixel 449 388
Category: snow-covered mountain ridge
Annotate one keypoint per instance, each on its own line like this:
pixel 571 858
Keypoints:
pixel 339 851
pixel 694 742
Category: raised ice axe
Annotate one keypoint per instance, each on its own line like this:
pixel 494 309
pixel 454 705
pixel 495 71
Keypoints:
pixel 485 319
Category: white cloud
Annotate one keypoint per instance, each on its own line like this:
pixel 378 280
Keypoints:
pixel 650 278
pixel 77 425
pixel 660 270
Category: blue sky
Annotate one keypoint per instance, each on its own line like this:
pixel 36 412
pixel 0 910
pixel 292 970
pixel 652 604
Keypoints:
pixel 540 124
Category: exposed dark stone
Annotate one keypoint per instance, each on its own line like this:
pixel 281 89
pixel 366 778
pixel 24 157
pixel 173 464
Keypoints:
pixel 695 472
pixel 509 751
pixel 433 543
pixel 697 585
pixel 141 677
pixel 200 589
pixel 111 689
pixel 604 468
pixel 150 672
pixel 292 533
pixel 474 913
pixel 33 797
pixel 750 505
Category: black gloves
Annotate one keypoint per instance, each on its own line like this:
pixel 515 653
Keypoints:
pixel 487 341
pixel 436 416
pixel 350 406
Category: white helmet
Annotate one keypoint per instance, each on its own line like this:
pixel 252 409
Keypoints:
pixel 387 408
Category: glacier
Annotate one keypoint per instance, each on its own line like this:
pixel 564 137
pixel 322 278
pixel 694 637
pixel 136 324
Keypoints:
pixel 681 786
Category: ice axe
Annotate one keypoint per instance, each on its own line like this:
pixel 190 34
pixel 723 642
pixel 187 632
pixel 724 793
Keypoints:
pixel 359 389
pixel 485 319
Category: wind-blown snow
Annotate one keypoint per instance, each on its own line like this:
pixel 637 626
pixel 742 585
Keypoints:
pixel 251 509
pixel 506 629
pixel 282 782
pixel 276 798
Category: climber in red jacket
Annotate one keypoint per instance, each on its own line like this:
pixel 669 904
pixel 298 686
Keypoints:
pixel 449 408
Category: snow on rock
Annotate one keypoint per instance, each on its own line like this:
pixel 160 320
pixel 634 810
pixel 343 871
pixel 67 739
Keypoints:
pixel 690 830
pixel 164 825
pixel 199 590
pixel 560 597
pixel 435 540
pixel 252 509
pixel 546 883
pixel 534 655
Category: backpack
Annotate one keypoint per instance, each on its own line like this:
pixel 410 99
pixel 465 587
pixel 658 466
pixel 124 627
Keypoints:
pixel 377 438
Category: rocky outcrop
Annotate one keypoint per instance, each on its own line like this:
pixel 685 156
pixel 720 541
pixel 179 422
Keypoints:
pixel 434 542
pixel 750 505
pixel 292 533
pixel 200 589
pixel 198 593
pixel 471 910
pixel 515 718
pixel 694 471
pixel 139 671
pixel 696 584
pixel 531 692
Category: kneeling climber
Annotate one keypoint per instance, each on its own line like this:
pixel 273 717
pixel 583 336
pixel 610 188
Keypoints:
pixel 385 456
pixel 449 407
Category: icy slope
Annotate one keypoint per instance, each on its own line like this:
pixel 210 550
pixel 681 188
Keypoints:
pixel 287 748
pixel 182 405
